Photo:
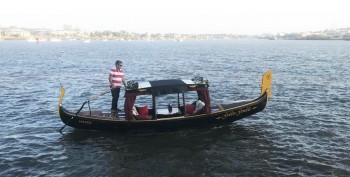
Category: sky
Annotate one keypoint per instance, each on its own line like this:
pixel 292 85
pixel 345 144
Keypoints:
pixel 179 16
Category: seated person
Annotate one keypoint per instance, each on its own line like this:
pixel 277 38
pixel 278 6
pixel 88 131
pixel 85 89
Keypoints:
pixel 191 109
pixel 199 107
pixel 140 112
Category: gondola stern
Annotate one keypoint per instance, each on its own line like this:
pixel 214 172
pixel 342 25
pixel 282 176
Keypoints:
pixel 62 90
pixel 266 84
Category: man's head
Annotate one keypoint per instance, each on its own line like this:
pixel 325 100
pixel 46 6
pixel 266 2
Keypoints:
pixel 118 63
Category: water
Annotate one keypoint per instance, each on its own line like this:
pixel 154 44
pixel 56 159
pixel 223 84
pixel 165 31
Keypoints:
pixel 304 131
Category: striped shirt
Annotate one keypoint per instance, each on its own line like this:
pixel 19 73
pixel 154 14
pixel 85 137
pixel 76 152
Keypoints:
pixel 117 77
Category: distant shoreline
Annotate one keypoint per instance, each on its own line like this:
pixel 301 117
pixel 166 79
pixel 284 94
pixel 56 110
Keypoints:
pixel 15 33
pixel 102 39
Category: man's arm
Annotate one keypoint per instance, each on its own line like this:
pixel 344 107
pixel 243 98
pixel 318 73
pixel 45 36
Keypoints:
pixel 110 80
pixel 124 82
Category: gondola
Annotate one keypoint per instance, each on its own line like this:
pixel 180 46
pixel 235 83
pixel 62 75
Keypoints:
pixel 157 117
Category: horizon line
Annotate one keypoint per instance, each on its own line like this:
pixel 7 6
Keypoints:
pixel 129 31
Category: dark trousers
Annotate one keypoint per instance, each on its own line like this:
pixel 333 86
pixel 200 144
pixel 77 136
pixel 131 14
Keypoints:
pixel 115 97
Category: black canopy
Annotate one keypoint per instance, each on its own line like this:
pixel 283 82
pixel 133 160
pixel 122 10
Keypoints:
pixel 161 87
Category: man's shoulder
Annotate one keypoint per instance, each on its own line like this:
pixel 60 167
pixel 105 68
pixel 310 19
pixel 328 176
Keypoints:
pixel 115 70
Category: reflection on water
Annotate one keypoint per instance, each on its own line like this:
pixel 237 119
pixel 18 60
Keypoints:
pixel 197 152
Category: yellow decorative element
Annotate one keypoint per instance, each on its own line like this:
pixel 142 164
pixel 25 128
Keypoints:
pixel 266 83
pixel 62 90
pixel 85 122
pixel 235 113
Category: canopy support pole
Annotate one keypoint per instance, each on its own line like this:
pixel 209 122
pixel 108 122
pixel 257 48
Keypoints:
pixel 183 103
pixel 154 108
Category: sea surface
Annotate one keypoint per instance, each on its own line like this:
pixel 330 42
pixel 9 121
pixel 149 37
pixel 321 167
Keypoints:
pixel 304 130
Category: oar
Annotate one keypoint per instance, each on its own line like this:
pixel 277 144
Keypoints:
pixel 100 94
pixel 92 98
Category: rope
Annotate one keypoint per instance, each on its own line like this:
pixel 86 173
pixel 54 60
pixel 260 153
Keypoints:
pixel 88 101
pixel 60 130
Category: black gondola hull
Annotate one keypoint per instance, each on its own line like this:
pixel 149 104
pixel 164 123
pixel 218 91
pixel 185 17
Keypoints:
pixel 226 116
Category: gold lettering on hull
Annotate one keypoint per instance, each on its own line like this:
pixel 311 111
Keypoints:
pixel 235 113
pixel 85 122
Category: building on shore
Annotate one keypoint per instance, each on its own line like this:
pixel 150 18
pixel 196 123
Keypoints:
pixel 15 34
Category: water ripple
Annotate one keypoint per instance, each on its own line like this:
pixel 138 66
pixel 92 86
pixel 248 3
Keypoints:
pixel 302 132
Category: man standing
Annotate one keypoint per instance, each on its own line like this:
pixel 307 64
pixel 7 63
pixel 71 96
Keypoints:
pixel 116 79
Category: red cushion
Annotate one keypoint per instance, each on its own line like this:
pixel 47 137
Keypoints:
pixel 143 111
pixel 190 108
